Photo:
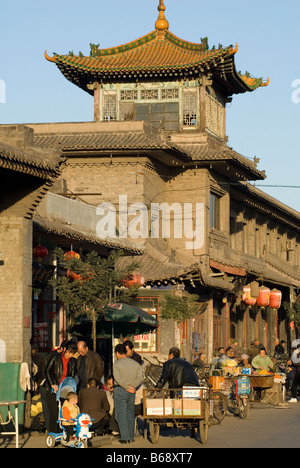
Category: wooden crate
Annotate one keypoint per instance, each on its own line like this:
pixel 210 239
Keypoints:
pixel 274 395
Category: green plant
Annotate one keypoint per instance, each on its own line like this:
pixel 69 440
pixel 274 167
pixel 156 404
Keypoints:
pixel 90 283
pixel 293 312
pixel 179 309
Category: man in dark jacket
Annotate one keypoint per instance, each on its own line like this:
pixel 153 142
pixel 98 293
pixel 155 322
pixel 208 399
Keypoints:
pixel 89 365
pixel 93 401
pixel 131 352
pixel 177 372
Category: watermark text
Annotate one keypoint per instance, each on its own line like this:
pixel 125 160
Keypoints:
pixel 2 92
pixel 159 220
pixel 296 93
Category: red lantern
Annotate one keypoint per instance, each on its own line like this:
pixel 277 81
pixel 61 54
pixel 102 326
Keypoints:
pixel 275 299
pixel 40 251
pixel 135 279
pixel 76 277
pixel 70 274
pixel 263 297
pixel 73 276
pixel 247 298
pixel 71 254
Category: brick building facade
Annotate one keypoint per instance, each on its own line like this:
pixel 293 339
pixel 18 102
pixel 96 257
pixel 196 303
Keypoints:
pixel 156 166
pixel 27 174
pixel 159 136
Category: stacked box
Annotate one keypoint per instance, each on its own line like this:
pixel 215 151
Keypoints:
pixel 187 407
pixel 159 407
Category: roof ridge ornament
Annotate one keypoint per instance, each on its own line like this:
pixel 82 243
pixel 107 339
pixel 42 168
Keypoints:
pixel 161 23
pixel 50 59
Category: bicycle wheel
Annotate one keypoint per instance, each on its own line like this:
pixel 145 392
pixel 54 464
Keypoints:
pixel 220 407
pixel 203 426
pixel 243 408
pixel 154 430
pixel 151 376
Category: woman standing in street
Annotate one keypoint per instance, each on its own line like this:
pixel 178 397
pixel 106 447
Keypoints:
pixel 58 367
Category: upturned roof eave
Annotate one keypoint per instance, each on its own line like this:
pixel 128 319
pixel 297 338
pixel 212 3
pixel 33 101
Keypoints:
pixel 83 70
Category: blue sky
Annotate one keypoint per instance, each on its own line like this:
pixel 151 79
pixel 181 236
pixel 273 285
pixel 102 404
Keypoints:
pixel 265 123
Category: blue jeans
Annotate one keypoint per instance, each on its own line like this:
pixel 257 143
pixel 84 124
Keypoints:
pixel 125 415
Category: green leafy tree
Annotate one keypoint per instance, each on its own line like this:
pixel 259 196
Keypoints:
pixel 179 309
pixel 293 313
pixel 90 284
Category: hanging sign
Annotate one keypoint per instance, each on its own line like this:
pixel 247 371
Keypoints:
pixel 41 274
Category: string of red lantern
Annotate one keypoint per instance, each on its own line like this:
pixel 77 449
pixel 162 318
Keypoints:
pixel 266 298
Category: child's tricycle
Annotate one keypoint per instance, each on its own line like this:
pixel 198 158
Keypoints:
pixel 82 423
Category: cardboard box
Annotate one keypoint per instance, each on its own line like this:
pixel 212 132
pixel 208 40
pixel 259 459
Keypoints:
pixel 159 407
pixel 187 407
pixel 177 407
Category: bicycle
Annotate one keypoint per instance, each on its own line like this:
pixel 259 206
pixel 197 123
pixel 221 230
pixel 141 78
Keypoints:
pixel 238 394
pixel 220 407
pixel 218 399
pixel 152 373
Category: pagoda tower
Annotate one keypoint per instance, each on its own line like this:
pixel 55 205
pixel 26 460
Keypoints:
pixel 175 85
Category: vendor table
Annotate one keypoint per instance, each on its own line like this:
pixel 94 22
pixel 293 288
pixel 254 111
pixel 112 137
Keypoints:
pixel 14 419
pixel 262 381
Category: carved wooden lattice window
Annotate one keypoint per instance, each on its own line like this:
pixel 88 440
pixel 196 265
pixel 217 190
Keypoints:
pixel 110 107
pixel 214 115
pixel 189 108
pixel 172 93
pixel 129 95
pixel 149 94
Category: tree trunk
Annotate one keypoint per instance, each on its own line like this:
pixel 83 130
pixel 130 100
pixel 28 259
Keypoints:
pixel 94 323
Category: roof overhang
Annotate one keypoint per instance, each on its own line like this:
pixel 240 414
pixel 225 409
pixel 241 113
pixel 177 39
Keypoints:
pixel 157 56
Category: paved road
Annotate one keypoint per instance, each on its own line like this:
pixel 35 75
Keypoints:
pixel 266 427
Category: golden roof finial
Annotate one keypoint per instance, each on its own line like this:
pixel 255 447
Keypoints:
pixel 161 22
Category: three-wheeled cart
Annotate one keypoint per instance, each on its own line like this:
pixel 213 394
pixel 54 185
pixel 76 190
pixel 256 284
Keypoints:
pixel 180 408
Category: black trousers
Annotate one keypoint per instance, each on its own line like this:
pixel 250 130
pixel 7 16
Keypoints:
pixel 70 431
pixel 99 426
pixel 52 408
pixel 296 384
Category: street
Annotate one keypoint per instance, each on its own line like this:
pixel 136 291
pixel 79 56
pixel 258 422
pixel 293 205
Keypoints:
pixel 266 427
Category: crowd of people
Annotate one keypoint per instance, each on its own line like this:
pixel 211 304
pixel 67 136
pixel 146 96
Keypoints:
pixel 112 404
pixel 257 360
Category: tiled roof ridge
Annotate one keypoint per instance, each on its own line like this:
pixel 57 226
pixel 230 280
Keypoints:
pixel 197 53
pixel 32 157
pixel 56 226
pixel 96 52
